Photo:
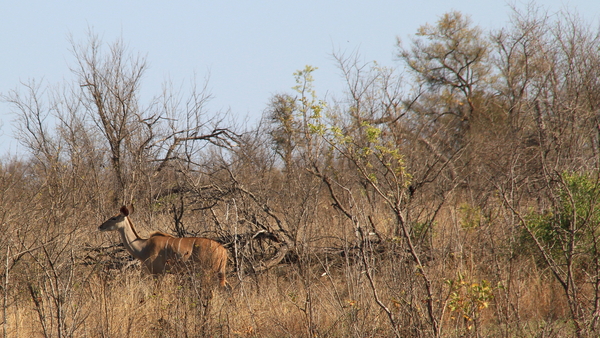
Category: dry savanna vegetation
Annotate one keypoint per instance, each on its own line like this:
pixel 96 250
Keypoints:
pixel 457 195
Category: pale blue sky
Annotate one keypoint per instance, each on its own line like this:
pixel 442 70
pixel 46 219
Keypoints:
pixel 249 48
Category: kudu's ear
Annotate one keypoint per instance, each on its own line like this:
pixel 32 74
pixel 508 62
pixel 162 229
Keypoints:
pixel 125 211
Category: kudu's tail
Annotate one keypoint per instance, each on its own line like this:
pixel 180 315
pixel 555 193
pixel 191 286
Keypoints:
pixel 222 269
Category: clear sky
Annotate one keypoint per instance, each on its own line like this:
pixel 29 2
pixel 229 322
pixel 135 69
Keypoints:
pixel 249 48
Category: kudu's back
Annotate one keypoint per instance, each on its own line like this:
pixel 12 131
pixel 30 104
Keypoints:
pixel 190 254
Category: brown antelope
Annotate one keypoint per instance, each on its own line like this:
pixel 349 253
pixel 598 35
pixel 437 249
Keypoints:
pixel 161 253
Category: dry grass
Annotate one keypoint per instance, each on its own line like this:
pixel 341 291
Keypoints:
pixel 128 304
pixel 319 295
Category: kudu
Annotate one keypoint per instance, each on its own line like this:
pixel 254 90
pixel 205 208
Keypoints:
pixel 162 253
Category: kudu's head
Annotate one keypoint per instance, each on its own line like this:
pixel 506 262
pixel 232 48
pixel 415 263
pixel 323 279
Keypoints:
pixel 118 221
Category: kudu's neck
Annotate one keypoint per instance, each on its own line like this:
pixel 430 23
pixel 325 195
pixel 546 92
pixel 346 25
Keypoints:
pixel 131 240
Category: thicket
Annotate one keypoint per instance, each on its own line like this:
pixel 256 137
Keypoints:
pixel 454 196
